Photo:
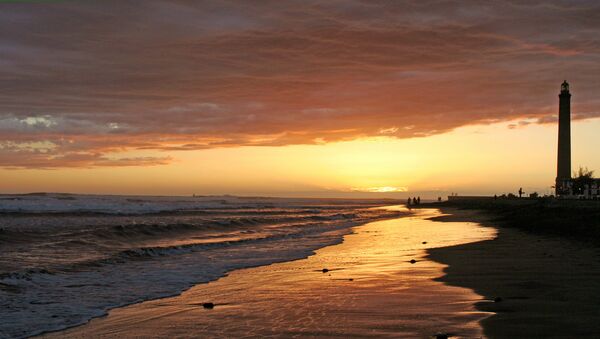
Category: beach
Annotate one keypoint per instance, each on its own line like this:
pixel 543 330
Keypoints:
pixel 471 278
pixel 365 286
pixel 548 286
pixel 285 169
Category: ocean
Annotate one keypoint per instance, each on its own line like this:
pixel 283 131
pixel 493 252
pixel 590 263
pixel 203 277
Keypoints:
pixel 66 258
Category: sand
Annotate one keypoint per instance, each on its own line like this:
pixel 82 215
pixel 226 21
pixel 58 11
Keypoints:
pixel 371 289
pixel 547 287
pixel 550 287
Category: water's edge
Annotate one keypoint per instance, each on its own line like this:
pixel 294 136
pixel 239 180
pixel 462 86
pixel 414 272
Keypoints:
pixel 344 230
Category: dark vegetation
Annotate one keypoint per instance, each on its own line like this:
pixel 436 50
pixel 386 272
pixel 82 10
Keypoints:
pixel 577 219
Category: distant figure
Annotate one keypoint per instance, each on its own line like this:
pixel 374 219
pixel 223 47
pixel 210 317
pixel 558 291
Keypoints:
pixel 521 192
pixel 495 197
pixel 439 199
pixel 408 202
pixel 414 201
pixel 418 200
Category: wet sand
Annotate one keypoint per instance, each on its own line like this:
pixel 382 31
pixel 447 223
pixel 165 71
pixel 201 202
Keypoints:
pixel 549 287
pixel 371 289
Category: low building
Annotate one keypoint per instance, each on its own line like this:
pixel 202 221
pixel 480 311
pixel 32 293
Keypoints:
pixel 575 189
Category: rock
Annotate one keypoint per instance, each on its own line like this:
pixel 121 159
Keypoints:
pixel 350 279
pixel 208 306
pixel 424 242
pixel 441 336
pixel 497 299
pixel 412 261
pixel 325 270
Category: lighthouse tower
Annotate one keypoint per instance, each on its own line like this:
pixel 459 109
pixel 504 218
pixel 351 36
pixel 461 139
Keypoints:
pixel 563 172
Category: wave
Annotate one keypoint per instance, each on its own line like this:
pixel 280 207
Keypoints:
pixel 142 253
pixel 74 204
pixel 133 228
pixel 119 260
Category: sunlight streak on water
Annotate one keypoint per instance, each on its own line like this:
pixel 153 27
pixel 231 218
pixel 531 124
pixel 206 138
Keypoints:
pixel 370 288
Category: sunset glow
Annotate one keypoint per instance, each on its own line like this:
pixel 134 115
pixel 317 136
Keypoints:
pixel 301 99
pixel 299 168
pixel 475 159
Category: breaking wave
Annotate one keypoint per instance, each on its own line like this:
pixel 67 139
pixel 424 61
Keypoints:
pixel 61 268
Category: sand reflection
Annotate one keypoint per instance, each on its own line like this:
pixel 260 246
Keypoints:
pixel 369 288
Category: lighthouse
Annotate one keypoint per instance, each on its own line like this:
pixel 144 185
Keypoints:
pixel 563 171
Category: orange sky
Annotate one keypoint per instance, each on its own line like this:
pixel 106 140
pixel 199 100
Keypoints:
pixel 292 98
pixel 482 159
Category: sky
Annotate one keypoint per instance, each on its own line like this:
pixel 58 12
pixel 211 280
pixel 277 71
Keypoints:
pixel 337 98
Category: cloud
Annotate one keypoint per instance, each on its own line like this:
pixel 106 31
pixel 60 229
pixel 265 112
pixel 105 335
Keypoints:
pixel 115 76
pixel 24 156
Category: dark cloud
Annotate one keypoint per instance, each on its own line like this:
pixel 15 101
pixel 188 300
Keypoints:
pixel 96 78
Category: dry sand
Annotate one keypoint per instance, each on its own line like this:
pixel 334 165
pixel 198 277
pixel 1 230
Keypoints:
pixel 549 287
pixel 371 290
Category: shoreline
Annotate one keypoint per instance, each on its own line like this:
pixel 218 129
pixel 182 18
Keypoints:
pixel 521 285
pixel 57 302
pixel 370 287
pixel 545 285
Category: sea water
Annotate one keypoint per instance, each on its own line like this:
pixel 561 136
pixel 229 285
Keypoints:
pixel 65 259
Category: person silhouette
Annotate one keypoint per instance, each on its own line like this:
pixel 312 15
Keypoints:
pixel 408 202
pixel 414 201
pixel 418 200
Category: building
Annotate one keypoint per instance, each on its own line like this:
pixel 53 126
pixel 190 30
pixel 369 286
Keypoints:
pixel 566 186
pixel 563 170
pixel 572 189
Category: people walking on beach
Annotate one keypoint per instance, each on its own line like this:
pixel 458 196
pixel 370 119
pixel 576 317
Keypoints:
pixel 414 201
pixel 418 200
pixel 408 202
